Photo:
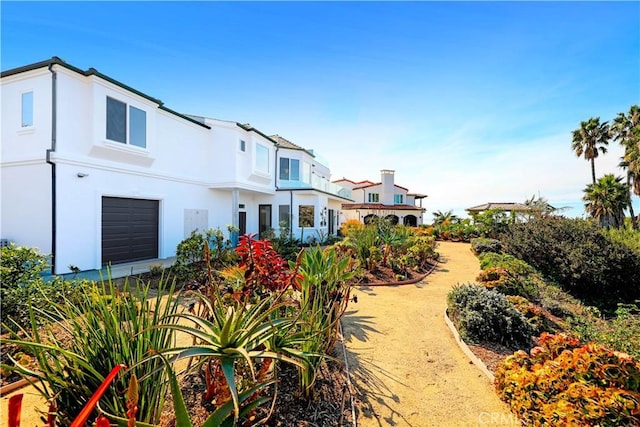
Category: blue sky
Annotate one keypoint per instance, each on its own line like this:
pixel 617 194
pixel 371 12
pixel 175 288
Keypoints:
pixel 469 102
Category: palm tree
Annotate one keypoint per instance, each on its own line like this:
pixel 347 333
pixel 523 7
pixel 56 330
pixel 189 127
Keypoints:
pixel 606 200
pixel 589 140
pixel 439 217
pixel 626 130
pixel 538 206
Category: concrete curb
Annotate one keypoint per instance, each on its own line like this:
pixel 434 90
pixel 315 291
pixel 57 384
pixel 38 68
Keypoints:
pixel 16 385
pixel 466 350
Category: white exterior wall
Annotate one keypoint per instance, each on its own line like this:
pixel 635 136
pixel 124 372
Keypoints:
pixel 233 168
pixel 25 178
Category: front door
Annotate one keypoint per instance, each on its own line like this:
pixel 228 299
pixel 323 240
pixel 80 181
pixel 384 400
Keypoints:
pixel 242 223
pixel 332 221
pixel 264 218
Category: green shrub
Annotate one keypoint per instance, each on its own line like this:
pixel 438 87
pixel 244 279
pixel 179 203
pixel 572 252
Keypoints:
pixel 192 260
pixel 621 332
pixel 626 236
pixel 508 283
pixel 22 283
pixel 508 262
pixel 20 265
pixel 482 244
pixel 579 256
pixel 37 293
pixel 481 315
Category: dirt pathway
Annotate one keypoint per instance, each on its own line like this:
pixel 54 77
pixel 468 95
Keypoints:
pixel 405 359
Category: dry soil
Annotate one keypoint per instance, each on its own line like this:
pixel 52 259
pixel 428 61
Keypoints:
pixel 404 361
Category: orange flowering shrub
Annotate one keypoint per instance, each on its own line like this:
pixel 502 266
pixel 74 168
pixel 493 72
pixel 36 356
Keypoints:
pixel 563 382
pixel 349 225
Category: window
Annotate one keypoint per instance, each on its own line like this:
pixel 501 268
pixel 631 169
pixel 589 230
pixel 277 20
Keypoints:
pixel 27 109
pixel 262 158
pixel 284 216
pixel 306 172
pixel 398 199
pixel 289 169
pixel 243 146
pixel 117 123
pixel 374 197
pixel 306 216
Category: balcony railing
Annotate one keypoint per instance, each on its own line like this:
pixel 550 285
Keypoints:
pixel 317 183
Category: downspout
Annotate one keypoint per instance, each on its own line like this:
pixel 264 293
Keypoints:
pixel 54 78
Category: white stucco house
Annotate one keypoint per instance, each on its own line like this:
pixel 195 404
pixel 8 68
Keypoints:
pixel 95 172
pixel 384 199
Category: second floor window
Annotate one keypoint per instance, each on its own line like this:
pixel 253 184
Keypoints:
pixel 374 197
pixel 126 125
pixel 262 158
pixel 398 199
pixel 289 169
pixel 27 109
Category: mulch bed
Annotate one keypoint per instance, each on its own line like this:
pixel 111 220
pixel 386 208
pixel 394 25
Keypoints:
pixel 490 353
pixel 331 406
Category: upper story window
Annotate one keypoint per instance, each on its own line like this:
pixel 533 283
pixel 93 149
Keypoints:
pixel 289 169
pixel 374 197
pixel 398 199
pixel 126 125
pixel 243 146
pixel 27 109
pixel 262 158
pixel 306 172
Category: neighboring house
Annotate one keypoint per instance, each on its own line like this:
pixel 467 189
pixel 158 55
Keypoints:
pixel 519 211
pixel 95 172
pixel 382 199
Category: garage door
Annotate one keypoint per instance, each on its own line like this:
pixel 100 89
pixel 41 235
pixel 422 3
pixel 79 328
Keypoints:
pixel 129 229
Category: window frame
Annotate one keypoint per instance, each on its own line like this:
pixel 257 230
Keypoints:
pixel 242 146
pixel 374 197
pixel 288 176
pixel 305 217
pixel 257 164
pixel 287 216
pixel 24 125
pixel 131 132
pixel 398 199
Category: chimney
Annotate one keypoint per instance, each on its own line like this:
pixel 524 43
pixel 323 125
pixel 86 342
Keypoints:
pixel 388 187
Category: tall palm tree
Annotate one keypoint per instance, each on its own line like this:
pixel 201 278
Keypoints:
pixel 626 130
pixel 606 200
pixel 592 138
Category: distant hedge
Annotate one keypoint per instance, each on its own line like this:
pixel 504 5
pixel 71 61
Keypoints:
pixel 578 255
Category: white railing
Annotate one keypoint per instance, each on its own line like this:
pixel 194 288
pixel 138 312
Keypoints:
pixel 317 183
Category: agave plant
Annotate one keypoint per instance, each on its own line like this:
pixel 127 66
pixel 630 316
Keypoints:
pixel 237 331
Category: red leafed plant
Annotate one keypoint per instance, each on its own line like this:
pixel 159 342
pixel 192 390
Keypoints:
pixel 264 268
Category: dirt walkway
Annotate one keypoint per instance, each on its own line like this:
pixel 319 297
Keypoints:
pixel 405 360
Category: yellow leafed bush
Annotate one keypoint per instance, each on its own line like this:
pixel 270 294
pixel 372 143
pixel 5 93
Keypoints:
pixel 563 382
